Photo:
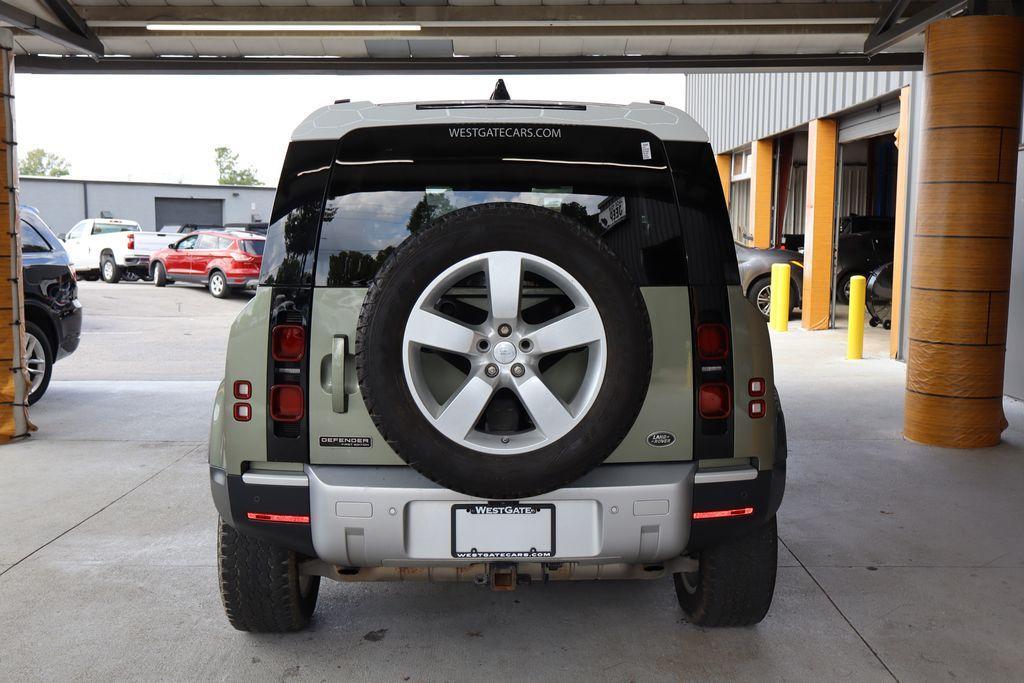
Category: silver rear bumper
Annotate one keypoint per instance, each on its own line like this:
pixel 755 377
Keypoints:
pixel 393 516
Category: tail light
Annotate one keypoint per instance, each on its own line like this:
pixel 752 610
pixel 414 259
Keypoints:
pixel 131 240
pixel 271 517
pixel 241 258
pixel 712 341
pixel 720 514
pixel 288 343
pixel 714 401
pixel 287 403
pixel 74 273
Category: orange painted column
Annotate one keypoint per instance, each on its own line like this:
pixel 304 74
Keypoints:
pixel 899 243
pixel 13 377
pixel 724 163
pixel 963 237
pixel 760 221
pixel 819 223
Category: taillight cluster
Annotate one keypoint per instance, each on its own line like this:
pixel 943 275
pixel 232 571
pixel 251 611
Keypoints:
pixel 714 399
pixel 757 387
pixel 131 240
pixel 287 400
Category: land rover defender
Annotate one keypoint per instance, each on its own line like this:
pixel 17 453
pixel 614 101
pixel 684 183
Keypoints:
pixel 498 342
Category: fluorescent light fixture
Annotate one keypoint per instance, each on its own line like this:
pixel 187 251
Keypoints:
pixel 323 28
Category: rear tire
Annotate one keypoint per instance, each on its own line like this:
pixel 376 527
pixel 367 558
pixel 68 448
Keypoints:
pixel 759 294
pixel 38 360
pixel 734 581
pixel 159 274
pixel 109 270
pixel 260 584
pixel 218 285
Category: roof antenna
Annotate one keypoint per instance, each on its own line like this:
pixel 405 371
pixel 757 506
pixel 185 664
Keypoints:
pixel 500 91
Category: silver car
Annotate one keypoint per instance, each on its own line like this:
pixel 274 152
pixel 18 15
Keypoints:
pixel 756 275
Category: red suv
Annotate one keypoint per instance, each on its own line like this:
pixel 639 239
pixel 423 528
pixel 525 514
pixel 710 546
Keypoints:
pixel 222 261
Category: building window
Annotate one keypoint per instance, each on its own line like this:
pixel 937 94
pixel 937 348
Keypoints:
pixel 741 165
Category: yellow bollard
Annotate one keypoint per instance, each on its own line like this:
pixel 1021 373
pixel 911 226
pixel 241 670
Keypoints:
pixel 778 318
pixel 855 336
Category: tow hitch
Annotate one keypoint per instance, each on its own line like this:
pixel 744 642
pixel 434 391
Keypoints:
pixel 503 577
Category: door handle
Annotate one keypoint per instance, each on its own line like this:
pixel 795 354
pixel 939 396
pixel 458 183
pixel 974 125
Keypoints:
pixel 339 399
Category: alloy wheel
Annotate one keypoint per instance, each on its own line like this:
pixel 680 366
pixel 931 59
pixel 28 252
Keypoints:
pixel 35 362
pixel 534 315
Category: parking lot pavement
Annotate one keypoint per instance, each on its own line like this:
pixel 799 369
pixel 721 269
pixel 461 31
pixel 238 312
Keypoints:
pixel 898 560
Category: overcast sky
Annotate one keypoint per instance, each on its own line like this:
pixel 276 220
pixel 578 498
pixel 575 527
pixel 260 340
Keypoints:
pixel 164 128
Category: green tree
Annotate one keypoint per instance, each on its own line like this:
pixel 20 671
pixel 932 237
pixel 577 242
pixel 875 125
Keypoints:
pixel 40 162
pixel 228 171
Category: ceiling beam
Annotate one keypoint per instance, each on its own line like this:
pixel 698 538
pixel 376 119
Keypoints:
pixel 843 12
pixel 18 18
pixel 481 65
pixel 471 30
pixel 890 31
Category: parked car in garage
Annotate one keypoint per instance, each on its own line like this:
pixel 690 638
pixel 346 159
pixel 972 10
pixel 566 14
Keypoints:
pixel 223 261
pixel 756 275
pixel 53 314
pixel 865 243
pixel 456 369
pixel 111 247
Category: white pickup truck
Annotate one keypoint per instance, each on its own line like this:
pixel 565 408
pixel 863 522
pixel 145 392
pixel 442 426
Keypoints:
pixel 111 247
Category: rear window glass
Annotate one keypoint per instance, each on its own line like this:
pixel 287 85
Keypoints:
pixel 99 228
pixel 32 241
pixel 252 246
pixel 387 184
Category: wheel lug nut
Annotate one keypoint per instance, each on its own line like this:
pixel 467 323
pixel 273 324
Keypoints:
pixel 504 329
pixel 492 370
pixel 518 370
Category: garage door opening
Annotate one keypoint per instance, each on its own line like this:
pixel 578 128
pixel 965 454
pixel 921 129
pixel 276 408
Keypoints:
pixel 178 211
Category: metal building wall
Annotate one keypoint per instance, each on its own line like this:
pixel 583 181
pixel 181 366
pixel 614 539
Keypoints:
pixel 738 108
pixel 63 202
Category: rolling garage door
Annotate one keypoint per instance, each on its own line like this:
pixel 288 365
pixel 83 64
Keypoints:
pixel 182 210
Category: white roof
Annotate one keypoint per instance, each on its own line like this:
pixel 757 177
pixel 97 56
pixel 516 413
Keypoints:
pixel 333 121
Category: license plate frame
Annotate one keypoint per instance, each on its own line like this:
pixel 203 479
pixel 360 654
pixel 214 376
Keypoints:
pixel 499 516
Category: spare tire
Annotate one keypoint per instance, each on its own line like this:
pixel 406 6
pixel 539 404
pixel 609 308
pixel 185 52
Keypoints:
pixel 503 351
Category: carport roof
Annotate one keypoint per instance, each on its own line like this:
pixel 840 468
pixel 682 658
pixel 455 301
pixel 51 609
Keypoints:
pixel 443 35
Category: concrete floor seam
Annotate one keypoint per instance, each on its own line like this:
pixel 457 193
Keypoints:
pixel 838 610
pixel 97 512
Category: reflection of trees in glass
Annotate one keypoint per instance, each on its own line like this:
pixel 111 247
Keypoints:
pixel 578 212
pixel 355 268
pixel 426 210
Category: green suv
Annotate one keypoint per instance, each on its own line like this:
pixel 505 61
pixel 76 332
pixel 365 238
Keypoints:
pixel 497 342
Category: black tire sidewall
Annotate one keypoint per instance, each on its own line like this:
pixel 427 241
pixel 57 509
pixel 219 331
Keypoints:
pixel 44 341
pixel 463 234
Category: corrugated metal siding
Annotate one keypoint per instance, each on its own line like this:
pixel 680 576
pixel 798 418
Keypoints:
pixel 854 191
pixel 737 108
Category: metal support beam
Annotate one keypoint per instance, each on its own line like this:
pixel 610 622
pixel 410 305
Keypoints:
pixel 900 61
pixel 889 30
pixel 752 13
pixel 29 22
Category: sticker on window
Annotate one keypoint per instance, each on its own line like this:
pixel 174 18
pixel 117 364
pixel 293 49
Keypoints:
pixel 645 150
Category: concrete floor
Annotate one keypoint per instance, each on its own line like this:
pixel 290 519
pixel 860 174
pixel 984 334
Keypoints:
pixel 898 560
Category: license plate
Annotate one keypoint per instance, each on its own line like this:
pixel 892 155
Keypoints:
pixel 503 531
